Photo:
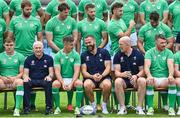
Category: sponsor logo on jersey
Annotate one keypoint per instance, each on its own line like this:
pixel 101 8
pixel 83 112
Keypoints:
pixel 31 24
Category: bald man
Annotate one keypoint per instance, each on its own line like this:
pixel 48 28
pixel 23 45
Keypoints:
pixel 128 67
pixel 38 72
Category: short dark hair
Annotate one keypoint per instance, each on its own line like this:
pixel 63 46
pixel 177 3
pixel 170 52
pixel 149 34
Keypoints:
pixel 68 39
pixel 63 6
pixel 90 36
pixel 8 40
pixel 116 5
pixel 25 3
pixel 154 16
pixel 89 6
pixel 159 36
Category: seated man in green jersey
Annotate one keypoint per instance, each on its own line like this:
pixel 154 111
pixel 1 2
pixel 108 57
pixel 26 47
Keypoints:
pixel 67 69
pixel 11 70
pixel 177 75
pixel 159 69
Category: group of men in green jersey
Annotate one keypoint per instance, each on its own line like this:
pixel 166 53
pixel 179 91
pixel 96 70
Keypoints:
pixel 60 21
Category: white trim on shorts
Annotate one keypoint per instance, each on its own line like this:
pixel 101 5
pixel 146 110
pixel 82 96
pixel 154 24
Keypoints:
pixel 67 81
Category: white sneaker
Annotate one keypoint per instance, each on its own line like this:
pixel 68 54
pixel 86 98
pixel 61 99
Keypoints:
pixel 178 112
pixel 104 110
pixel 122 111
pixel 171 112
pixel 16 112
pixel 57 111
pixel 165 108
pixel 140 111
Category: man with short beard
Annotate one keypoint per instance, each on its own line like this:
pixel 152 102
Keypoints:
pixel 92 26
pixel 25 28
pixel 96 67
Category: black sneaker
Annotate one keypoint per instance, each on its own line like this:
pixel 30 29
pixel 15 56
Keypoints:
pixel 26 111
pixel 33 107
pixel 48 111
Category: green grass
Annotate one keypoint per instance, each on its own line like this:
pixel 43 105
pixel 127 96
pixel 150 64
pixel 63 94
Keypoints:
pixel 40 104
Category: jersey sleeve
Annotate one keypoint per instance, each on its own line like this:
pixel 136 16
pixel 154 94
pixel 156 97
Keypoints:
pixel 77 60
pixel 27 63
pixel 57 60
pixel 81 7
pixel 49 9
pixel 38 5
pixel 49 27
pixel 116 58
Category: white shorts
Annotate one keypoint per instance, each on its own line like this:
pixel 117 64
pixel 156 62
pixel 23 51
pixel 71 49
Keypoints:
pixel 158 81
pixel 133 38
pixel 67 81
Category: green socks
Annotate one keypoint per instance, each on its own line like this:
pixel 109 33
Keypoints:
pixel 79 95
pixel 150 96
pixel 164 96
pixel 178 96
pixel 172 95
pixel 98 97
pixel 70 96
pixel 127 97
pixel 19 96
pixel 55 92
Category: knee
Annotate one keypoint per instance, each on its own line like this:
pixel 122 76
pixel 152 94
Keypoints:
pixel 119 82
pixel 78 83
pixel 178 81
pixel 141 82
pixel 19 82
pixel 56 84
pixel 87 84
pixel 107 85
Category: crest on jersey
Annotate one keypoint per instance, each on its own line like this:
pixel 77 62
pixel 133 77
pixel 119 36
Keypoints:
pixel 158 7
pixel 71 60
pixel 87 58
pixel 134 57
pixel 15 60
pixel 19 24
pixel 98 5
pixel 121 59
pixel 45 61
pixel 31 25
pixel 32 62
pixel 164 58
pixel 96 27
pixel 131 7
pixel 68 27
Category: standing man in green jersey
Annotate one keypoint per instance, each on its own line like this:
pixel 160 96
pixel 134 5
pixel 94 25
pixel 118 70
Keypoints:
pixel 53 10
pixel 25 28
pixel 11 71
pixel 117 27
pixel 174 16
pixel 2 33
pixel 4 11
pixel 96 27
pixel 92 26
pixel 159 69
pixel 148 6
pixel 147 33
pixel 67 69
pixel 130 12
pixel 100 6
pixel 60 26
pixel 177 76
pixel 15 9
